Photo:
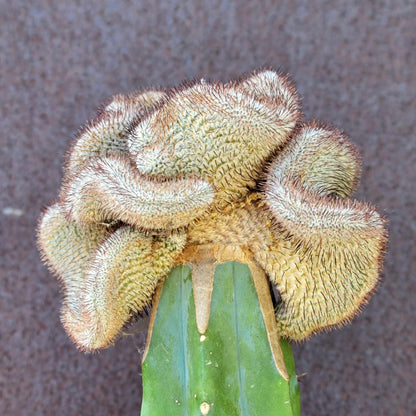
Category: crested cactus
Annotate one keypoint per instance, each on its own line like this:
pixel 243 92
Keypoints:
pixel 233 164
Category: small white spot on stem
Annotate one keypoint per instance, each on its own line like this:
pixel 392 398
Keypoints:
pixel 202 338
pixel 204 408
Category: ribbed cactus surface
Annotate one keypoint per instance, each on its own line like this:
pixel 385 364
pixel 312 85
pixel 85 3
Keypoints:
pixel 229 369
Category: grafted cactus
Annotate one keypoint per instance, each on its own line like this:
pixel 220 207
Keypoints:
pixel 221 165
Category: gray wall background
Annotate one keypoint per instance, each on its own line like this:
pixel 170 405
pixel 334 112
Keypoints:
pixel 354 65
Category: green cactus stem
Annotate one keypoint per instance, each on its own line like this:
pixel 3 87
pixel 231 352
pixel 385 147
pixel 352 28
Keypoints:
pixel 233 364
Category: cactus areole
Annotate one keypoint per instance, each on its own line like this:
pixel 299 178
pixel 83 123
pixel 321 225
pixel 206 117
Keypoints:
pixel 204 174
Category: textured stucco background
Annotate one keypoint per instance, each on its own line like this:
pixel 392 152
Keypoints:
pixel 354 65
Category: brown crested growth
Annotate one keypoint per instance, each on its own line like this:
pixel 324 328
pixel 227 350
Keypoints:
pixel 121 278
pixel 67 248
pixel 223 133
pixel 111 189
pixel 320 159
pixel 161 171
pixel 108 134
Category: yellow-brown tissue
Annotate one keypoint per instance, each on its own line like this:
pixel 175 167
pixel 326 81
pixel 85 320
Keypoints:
pixel 210 163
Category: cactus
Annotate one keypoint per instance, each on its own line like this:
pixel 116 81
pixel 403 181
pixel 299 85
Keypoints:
pixel 236 367
pixel 161 173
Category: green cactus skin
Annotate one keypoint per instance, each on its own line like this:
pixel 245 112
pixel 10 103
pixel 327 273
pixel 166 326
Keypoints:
pixel 229 370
